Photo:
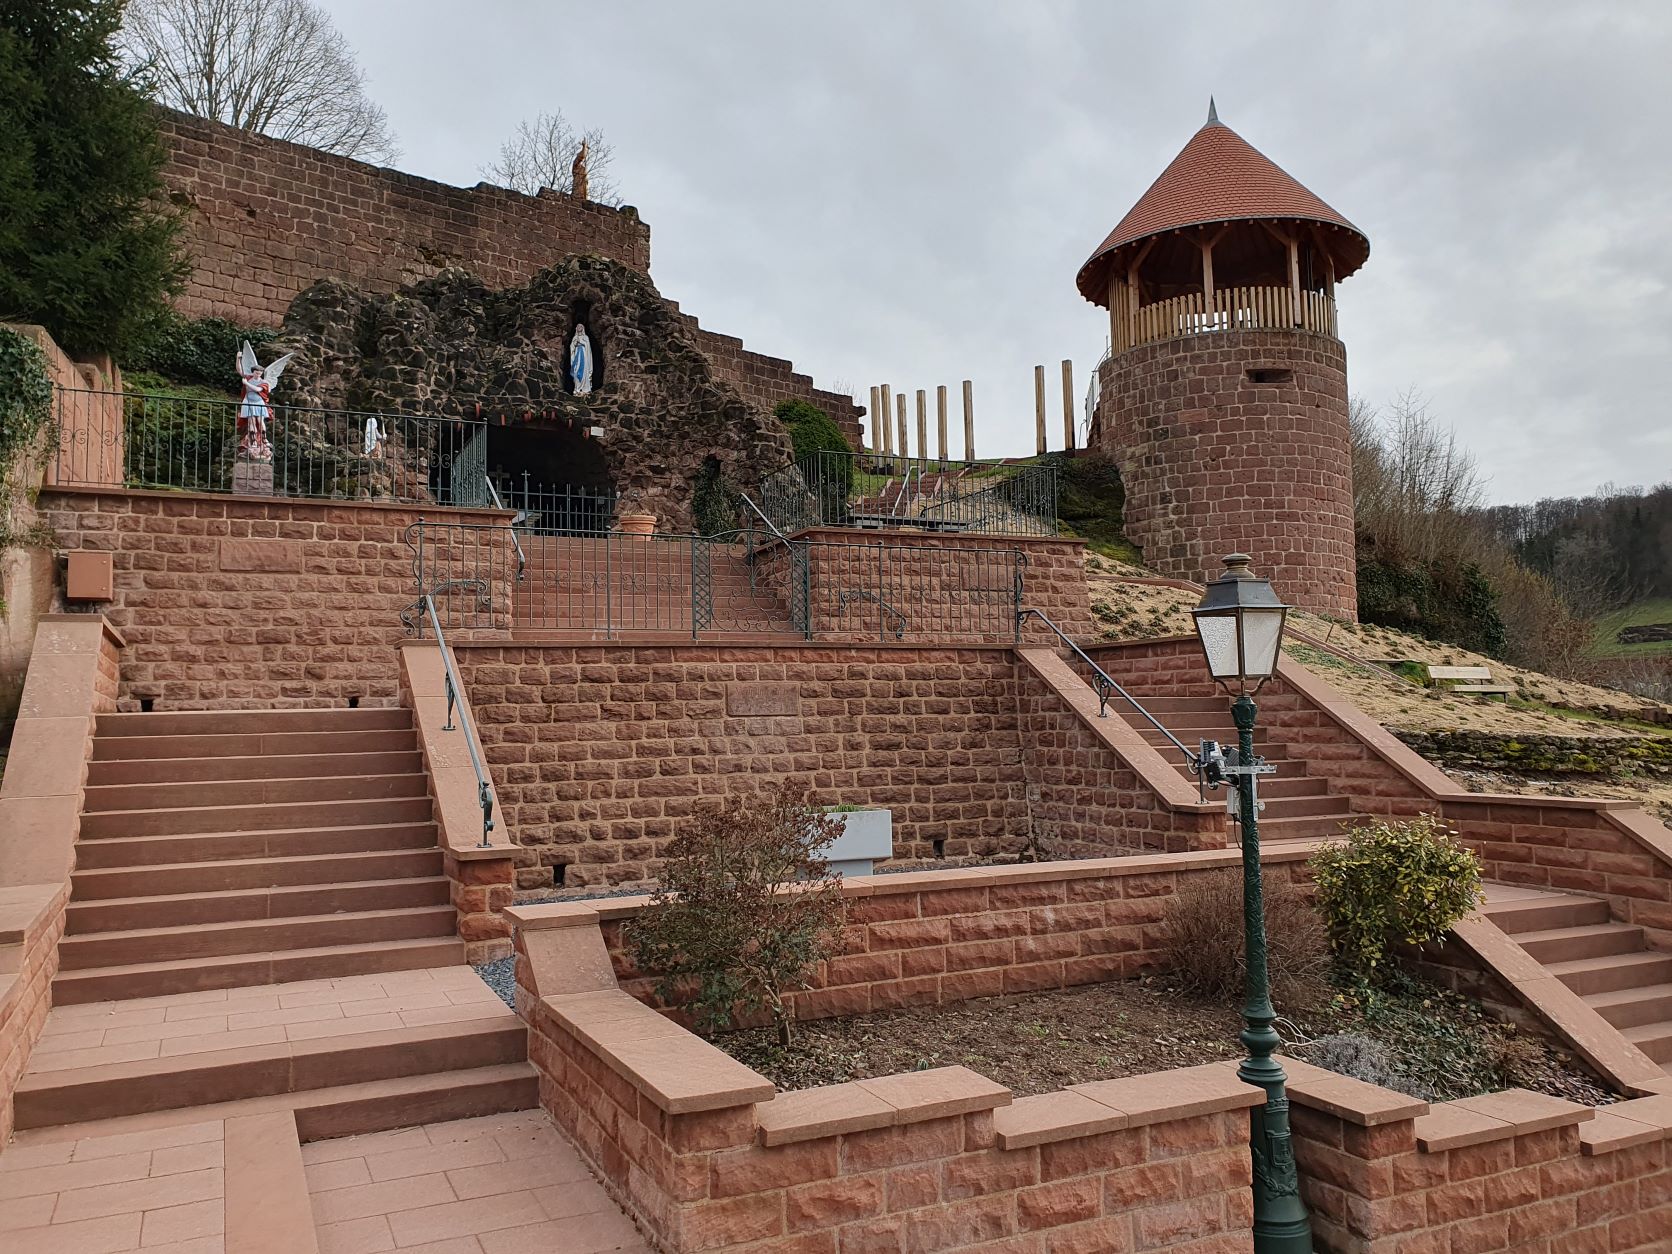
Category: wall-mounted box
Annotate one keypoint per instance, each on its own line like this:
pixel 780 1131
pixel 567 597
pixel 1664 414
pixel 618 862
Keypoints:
pixel 89 576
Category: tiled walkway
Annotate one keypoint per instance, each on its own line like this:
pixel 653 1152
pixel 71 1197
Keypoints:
pixel 502 1184
pixel 236 1018
pixel 161 1190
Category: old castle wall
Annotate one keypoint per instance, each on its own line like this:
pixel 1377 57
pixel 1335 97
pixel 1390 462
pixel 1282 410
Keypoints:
pixel 267 218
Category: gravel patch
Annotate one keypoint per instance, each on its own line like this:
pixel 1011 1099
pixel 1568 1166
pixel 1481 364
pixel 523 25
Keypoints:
pixel 501 976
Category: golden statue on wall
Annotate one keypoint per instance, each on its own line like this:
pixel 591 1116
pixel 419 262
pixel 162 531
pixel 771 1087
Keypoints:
pixel 577 172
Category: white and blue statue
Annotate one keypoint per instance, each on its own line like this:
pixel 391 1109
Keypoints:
pixel 256 406
pixel 580 360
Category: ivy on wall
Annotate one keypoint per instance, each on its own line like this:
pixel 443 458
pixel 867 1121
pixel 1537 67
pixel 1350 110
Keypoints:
pixel 25 423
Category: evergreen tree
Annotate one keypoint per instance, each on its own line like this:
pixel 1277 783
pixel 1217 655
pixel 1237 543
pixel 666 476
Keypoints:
pixel 88 243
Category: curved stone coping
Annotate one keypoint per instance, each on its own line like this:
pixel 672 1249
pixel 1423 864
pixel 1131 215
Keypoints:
pixel 569 913
pixel 888 1101
pixel 1130 1102
pixel 1117 735
pixel 676 1071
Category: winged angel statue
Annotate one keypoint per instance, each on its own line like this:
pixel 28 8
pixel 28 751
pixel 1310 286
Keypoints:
pixel 256 406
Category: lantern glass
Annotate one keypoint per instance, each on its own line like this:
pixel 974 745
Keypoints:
pixel 1218 633
pixel 1262 634
pixel 1240 624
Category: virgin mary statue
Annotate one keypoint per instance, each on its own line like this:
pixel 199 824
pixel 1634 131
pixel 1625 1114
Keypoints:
pixel 580 360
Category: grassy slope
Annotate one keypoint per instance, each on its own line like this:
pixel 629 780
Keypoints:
pixel 1603 643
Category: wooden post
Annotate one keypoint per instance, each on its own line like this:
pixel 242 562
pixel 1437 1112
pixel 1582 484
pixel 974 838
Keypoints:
pixel 885 417
pixel 1068 405
pixel 1294 281
pixel 922 423
pixel 969 422
pixel 1207 279
pixel 1039 406
pixel 876 436
pixel 940 415
pixel 900 406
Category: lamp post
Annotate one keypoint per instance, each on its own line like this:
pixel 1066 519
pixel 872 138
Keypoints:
pixel 1240 624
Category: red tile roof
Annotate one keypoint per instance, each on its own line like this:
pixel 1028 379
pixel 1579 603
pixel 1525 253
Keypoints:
pixel 1220 177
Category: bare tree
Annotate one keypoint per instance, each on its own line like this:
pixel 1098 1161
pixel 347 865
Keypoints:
pixel 278 67
pixel 542 153
pixel 1417 491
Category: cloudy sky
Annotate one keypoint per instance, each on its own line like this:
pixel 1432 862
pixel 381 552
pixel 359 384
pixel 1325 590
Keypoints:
pixel 902 191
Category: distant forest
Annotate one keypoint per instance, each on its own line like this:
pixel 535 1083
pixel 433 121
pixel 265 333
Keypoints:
pixel 1601 552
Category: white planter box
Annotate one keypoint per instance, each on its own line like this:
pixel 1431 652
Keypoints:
pixel 867 837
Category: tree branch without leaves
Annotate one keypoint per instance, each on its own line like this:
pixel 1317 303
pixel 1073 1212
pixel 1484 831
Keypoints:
pixel 541 153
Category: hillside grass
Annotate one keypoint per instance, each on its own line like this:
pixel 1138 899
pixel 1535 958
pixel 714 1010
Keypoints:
pixel 1604 644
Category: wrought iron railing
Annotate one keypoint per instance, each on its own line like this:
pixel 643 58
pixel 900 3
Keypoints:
pixel 554 509
pixel 192 444
pixel 747 582
pixel 884 491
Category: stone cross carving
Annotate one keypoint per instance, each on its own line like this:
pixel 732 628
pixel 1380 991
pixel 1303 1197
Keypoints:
pixel 580 360
pixel 577 172
pixel 256 406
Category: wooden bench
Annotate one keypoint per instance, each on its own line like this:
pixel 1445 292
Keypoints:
pixel 1475 680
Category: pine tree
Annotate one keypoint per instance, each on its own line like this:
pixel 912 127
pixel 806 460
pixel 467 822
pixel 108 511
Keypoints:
pixel 89 246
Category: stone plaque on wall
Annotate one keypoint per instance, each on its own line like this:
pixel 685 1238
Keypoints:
pixel 270 556
pixel 763 700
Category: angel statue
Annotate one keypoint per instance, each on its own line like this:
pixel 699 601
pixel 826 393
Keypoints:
pixel 580 360
pixel 256 406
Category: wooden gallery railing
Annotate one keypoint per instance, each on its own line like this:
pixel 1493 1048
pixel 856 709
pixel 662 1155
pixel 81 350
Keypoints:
pixel 1234 309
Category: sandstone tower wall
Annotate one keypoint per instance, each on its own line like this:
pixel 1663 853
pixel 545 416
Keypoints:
pixel 1238 441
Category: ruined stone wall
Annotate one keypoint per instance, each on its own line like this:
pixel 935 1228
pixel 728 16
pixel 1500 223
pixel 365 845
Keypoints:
pixel 1216 461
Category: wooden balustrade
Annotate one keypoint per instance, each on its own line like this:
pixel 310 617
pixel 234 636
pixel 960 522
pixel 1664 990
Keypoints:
pixel 1234 309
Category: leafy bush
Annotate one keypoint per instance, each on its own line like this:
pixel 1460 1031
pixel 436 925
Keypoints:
pixel 1444 600
pixel 196 352
pixel 746 909
pixel 1393 882
pixel 25 405
pixel 811 429
pixel 1361 1057
pixel 1204 940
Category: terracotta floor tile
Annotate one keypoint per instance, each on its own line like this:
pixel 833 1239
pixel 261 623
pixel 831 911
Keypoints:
pixel 360 1146
pixel 21 1154
pixel 477 1218
pixel 405 1194
pixel 355 1236
pixel 455 1014
pixel 584 1234
pixel 101 1015
pixel 89 1039
pixel 432 1158
pixel 197 1245
pixel 183 1223
pixel 320 1028
pixel 27 1212
pixel 518 1174
pixel 208 1026
pixel 341 1174
pixel 149 1139
pixel 199 996
pixel 457 1245
pixel 498 1126
pixel 223 1040
pixel 280 1017
pixel 136 1051
pixel 453 977
pixel 575 1197
pixel 471 992
pixel 210 1009
pixel 109 1235
pixel 167 1162
pixel 136 1195
pixel 31 1181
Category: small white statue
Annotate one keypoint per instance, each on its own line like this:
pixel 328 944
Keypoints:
pixel 580 360
pixel 374 438
pixel 256 406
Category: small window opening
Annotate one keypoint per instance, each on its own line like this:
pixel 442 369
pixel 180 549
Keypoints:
pixel 939 847
pixel 354 703
pixel 146 704
pixel 560 875
pixel 1271 376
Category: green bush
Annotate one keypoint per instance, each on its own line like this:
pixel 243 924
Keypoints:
pixel 1447 601
pixel 195 352
pixel 811 429
pixel 1393 882
pixel 25 405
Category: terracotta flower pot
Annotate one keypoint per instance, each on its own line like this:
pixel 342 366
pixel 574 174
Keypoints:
pixel 637 524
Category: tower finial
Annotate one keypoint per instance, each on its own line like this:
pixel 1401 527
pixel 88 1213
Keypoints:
pixel 1213 114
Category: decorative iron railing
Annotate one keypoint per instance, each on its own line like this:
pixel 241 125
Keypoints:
pixel 749 582
pixel 884 491
pixel 192 444
pixel 555 509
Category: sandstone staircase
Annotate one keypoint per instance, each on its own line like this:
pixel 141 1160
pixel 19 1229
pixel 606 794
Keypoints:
pixel 258 911
pixel 1609 964
pixel 1298 805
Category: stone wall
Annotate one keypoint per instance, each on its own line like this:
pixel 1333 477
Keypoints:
pixel 266 219
pixel 241 602
pixel 1214 462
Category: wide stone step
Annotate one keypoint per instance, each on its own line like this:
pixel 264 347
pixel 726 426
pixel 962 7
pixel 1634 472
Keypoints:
pixel 1295 807
pixel 232 722
pixel 246 874
pixel 248 936
pixel 1587 940
pixel 1552 910
pixel 182 909
pixel 251 818
pixel 1304 827
pixel 154 979
pixel 47 1098
pixel 272 766
pixel 295 842
pixel 254 744
pixel 1633 1007
pixel 1614 972
pixel 198 794
pixel 1654 1039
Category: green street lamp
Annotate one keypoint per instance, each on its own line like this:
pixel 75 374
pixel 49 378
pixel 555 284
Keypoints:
pixel 1240 624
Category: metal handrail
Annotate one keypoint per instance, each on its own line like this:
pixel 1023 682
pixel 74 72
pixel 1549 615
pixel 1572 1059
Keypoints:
pixel 770 526
pixel 1105 683
pixel 484 790
pixel 522 558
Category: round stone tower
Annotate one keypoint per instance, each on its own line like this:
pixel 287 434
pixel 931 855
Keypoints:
pixel 1224 395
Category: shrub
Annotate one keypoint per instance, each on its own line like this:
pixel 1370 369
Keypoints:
pixel 745 911
pixel 1204 940
pixel 1359 1056
pixel 1394 882
pixel 811 429
pixel 196 352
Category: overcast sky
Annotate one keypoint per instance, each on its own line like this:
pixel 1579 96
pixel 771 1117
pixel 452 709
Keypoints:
pixel 903 191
